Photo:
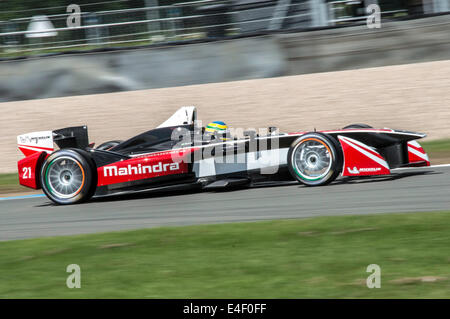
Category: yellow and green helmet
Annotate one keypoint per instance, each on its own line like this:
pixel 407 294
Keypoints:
pixel 216 126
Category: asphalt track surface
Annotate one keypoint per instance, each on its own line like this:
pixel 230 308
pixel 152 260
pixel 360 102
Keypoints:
pixel 408 190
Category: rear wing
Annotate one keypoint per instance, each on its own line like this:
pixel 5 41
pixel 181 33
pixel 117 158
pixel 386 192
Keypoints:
pixel 35 142
pixel 74 137
pixel 35 146
pixel 43 141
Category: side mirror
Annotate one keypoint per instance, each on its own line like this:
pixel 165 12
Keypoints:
pixel 180 133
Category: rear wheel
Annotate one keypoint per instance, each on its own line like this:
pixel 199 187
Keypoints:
pixel 315 159
pixel 68 177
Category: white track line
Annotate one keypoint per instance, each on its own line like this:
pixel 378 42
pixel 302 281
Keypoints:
pixel 421 167
pixel 22 197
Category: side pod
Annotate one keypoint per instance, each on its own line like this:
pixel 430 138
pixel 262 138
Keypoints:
pixel 361 160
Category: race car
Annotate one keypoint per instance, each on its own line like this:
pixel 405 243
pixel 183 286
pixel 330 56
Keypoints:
pixel 177 155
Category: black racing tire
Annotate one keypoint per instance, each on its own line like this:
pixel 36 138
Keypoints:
pixel 69 176
pixel 315 159
pixel 108 145
pixel 357 126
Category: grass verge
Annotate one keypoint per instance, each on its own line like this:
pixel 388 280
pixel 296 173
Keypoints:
pixel 9 183
pixel 324 257
pixel 438 151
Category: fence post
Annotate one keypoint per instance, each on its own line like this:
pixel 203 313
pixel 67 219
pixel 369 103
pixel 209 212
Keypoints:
pixel 152 15
pixel 279 15
pixel 441 5
pixel 319 16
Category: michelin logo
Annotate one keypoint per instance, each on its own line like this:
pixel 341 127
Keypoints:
pixel 363 170
pixel 139 169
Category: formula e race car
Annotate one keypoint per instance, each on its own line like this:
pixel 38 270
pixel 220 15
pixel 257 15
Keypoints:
pixel 177 155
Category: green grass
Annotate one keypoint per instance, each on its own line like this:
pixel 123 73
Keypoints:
pixel 9 183
pixel 323 257
pixel 437 146
pixel 438 151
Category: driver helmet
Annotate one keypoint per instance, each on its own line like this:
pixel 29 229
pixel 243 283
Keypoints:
pixel 219 128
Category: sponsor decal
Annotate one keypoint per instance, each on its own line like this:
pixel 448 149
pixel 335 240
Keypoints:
pixel 35 142
pixel 32 139
pixel 139 169
pixel 356 170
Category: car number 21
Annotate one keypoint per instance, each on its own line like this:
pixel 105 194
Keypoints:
pixel 26 172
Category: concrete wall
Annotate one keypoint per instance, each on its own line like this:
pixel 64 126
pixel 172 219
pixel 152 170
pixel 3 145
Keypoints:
pixel 359 47
pixel 249 58
pixel 68 75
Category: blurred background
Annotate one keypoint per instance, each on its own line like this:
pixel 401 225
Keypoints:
pixel 294 64
pixel 123 45
pixel 142 22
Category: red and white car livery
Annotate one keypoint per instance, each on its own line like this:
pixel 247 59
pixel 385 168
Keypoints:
pixel 160 158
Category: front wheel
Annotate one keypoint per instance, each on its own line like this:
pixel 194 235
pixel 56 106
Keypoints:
pixel 68 177
pixel 315 159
